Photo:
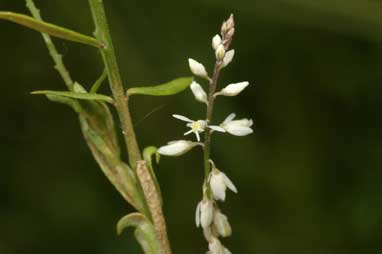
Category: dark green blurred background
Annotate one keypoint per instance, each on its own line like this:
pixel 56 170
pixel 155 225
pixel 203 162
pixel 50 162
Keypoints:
pixel 309 178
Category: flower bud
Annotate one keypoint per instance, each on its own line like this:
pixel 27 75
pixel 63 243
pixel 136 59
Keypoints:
pixel 199 93
pixel 197 68
pixel 240 127
pixel 228 57
pixel 221 224
pixel 233 89
pixel 177 148
pixel 219 183
pixel 216 41
pixel 220 52
pixel 204 213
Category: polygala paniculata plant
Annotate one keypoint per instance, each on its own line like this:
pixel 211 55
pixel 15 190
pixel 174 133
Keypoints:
pixel 135 180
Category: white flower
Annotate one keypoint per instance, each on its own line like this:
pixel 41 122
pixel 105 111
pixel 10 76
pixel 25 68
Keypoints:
pixel 221 224
pixel 197 68
pixel 199 93
pixel 220 52
pixel 216 41
pixel 197 126
pixel 178 147
pixel 233 89
pixel 219 183
pixel 240 127
pixel 228 57
pixel 204 213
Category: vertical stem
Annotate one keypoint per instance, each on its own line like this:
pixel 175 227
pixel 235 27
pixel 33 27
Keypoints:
pixel 103 35
pixel 57 58
pixel 210 107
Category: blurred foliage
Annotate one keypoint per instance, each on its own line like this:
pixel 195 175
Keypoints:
pixel 308 179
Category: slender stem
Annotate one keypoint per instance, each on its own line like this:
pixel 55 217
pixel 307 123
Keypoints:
pixel 57 58
pixel 102 33
pixel 210 107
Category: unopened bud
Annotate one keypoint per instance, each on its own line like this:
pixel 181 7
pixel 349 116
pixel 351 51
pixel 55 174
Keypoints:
pixel 216 41
pixel 197 68
pixel 220 52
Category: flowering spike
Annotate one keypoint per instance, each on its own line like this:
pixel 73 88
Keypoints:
pixel 197 68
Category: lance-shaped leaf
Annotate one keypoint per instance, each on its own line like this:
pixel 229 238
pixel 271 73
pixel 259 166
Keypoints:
pixel 144 232
pixel 74 95
pixel 48 28
pixel 173 87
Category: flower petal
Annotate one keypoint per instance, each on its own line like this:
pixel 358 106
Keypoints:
pixel 197 68
pixel 229 118
pixel 199 93
pixel 216 128
pixel 228 57
pixel 229 183
pixel 182 118
pixel 238 130
pixel 197 215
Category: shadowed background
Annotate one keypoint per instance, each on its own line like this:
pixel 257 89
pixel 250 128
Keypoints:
pixel 309 178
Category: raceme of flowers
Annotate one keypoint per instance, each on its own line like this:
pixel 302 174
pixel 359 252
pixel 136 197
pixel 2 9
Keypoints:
pixel 208 215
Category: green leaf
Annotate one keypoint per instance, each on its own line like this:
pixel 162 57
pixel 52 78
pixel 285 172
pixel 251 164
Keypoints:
pixel 65 100
pixel 144 232
pixel 48 28
pixel 130 220
pixel 173 87
pixel 81 96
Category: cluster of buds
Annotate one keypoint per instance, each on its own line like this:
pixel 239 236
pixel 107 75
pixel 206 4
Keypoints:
pixel 208 215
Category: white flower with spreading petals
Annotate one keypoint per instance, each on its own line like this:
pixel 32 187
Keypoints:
pixel 204 213
pixel 197 126
pixel 233 89
pixel 177 148
pixel 228 57
pixel 240 127
pixel 219 183
pixel 197 68
pixel 199 93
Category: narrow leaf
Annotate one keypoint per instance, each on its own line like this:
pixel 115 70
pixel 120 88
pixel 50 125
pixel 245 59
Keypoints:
pixel 173 87
pixel 65 100
pixel 49 28
pixel 81 96
pixel 99 82
pixel 130 220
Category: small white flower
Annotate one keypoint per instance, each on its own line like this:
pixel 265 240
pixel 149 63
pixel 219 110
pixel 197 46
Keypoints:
pixel 197 126
pixel 176 148
pixel 240 127
pixel 197 68
pixel 220 52
pixel 233 89
pixel 219 183
pixel 228 57
pixel 216 41
pixel 221 224
pixel 199 93
pixel 204 213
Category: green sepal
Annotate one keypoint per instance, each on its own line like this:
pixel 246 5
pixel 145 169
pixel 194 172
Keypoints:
pixel 144 231
pixel 74 95
pixel 173 87
pixel 49 28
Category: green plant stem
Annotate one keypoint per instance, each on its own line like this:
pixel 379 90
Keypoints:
pixel 57 58
pixel 210 107
pixel 103 36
